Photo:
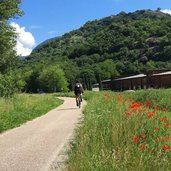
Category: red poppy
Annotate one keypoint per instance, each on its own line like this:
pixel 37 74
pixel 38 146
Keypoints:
pixel 142 147
pixel 164 119
pixel 147 103
pixel 166 139
pixel 164 109
pixel 135 105
pixel 156 129
pixel 142 110
pixel 151 114
pixel 143 136
pixel 119 98
pixel 165 147
pixel 168 125
pixel 128 113
pixel 135 139
pixel 155 107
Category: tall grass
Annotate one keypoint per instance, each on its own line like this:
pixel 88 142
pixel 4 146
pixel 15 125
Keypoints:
pixel 120 134
pixel 24 107
pixel 160 97
pixel 65 94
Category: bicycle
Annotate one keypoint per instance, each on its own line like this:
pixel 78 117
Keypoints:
pixel 78 100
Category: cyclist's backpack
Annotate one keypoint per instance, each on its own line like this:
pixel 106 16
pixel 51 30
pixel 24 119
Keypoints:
pixel 78 87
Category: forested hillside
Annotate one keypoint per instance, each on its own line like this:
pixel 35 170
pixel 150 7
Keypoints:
pixel 123 44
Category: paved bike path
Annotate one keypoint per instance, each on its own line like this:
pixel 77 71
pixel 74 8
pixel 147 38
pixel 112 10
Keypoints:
pixel 36 144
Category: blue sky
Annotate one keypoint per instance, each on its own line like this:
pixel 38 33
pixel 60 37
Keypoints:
pixel 45 19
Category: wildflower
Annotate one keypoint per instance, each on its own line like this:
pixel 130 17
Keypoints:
pixel 164 119
pixel 143 136
pixel 128 113
pixel 135 139
pixel 166 139
pixel 155 107
pixel 165 147
pixel 142 147
pixel 151 114
pixel 164 109
pixel 147 103
pixel 156 129
pixel 135 105
pixel 168 125
pixel 119 98
pixel 142 110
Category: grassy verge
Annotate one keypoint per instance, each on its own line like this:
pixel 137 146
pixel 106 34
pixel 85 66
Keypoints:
pixel 64 94
pixel 24 107
pixel 159 97
pixel 119 133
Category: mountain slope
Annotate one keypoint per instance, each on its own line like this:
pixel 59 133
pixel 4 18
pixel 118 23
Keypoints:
pixel 130 43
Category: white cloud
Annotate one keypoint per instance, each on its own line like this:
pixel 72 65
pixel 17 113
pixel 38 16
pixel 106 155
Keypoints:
pixel 167 11
pixel 25 40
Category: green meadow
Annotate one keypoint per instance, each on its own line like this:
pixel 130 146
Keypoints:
pixel 24 107
pixel 123 131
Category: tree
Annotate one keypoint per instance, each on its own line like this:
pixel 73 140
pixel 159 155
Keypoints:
pixel 71 71
pixel 166 53
pixel 52 79
pixel 10 84
pixel 87 76
pixel 106 69
pixel 8 9
pixel 158 9
pixel 120 67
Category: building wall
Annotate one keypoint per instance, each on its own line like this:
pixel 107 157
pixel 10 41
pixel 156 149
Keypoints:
pixel 157 81
pixel 130 84
pixel 161 81
pixel 153 81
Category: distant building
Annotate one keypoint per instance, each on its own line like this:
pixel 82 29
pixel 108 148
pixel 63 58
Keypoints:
pixel 154 79
pixel 160 80
pixel 130 83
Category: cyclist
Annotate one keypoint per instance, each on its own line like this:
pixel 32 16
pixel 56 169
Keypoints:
pixel 78 90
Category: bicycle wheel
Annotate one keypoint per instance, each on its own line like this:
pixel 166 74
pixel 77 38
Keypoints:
pixel 79 101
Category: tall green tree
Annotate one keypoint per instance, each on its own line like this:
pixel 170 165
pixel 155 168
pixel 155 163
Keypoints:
pixel 106 69
pixel 52 79
pixel 10 84
pixel 87 76
pixel 8 58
